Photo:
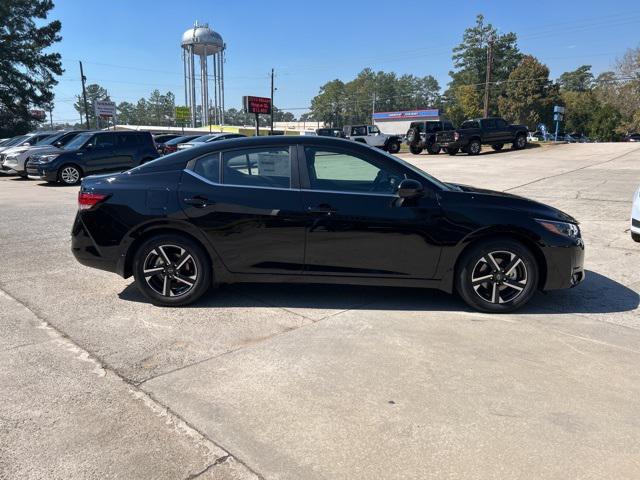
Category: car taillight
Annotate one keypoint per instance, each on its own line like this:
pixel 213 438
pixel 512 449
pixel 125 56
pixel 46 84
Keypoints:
pixel 88 200
pixel 456 136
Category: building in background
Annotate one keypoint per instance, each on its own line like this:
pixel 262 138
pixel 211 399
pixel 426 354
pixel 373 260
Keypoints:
pixel 397 123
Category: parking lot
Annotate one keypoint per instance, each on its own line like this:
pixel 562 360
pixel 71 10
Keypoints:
pixel 335 382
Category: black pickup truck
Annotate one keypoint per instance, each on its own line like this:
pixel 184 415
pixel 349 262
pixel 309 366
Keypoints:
pixel 472 134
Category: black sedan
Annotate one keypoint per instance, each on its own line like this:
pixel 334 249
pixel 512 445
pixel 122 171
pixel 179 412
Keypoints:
pixel 321 210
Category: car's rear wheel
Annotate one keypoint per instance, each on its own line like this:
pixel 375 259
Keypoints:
pixel 433 148
pixel 69 174
pixel 452 151
pixel 497 146
pixel 415 149
pixel 393 147
pixel 497 276
pixel 172 270
pixel 474 147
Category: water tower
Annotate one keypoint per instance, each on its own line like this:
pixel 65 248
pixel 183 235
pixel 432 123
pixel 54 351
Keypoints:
pixel 203 42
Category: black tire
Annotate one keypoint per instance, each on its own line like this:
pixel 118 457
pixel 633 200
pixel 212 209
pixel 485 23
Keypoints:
pixel 412 135
pixel 474 147
pixel 498 146
pixel 509 271
pixel 433 148
pixel 393 146
pixel 452 151
pixel 66 175
pixel 415 149
pixel 521 142
pixel 635 236
pixel 173 285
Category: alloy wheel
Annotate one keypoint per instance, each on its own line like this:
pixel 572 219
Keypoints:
pixel 499 277
pixel 522 141
pixel 170 270
pixel 70 175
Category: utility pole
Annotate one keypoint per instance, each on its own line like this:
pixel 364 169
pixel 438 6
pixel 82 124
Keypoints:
pixel 488 78
pixel 84 96
pixel 51 116
pixel 373 106
pixel 272 107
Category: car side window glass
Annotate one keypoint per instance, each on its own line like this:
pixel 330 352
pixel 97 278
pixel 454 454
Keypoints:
pixel 105 141
pixel 209 167
pixel 500 123
pixel 260 167
pixel 489 123
pixel 337 170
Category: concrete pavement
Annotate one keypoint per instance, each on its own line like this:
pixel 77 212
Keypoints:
pixel 327 381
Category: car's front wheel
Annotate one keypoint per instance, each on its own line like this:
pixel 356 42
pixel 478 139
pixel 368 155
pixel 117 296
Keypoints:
pixel 172 270
pixel 520 143
pixel 474 147
pixel 69 175
pixel 433 148
pixel 452 151
pixel 393 147
pixel 497 276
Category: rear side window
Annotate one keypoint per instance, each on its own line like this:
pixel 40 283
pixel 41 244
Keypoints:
pixel 489 123
pixel 105 141
pixel 259 167
pixel 128 140
pixel 209 167
pixel 500 123
pixel 470 124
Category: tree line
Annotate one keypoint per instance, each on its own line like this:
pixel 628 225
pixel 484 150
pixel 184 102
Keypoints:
pixel 603 107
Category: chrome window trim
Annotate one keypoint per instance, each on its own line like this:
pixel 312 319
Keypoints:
pixel 206 180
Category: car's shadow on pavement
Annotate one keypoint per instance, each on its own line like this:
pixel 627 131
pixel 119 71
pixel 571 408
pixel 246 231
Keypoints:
pixel 597 294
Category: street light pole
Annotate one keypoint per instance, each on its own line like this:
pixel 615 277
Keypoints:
pixel 488 77
pixel 84 96
pixel 272 108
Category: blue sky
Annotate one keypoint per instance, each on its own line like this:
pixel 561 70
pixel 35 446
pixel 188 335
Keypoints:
pixel 133 46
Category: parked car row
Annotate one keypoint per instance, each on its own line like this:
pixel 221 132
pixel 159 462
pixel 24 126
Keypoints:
pixel 68 156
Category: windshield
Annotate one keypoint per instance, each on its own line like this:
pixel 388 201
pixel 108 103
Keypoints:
pixel 420 172
pixel 15 141
pixel 50 140
pixel 79 141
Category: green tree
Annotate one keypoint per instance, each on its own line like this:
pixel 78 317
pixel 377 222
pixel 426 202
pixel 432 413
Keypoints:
pixel 27 66
pixel 470 61
pixel 329 105
pixel 580 107
pixel 529 94
pixel 463 102
pixel 94 92
pixel 126 113
pixel 605 123
pixel 579 80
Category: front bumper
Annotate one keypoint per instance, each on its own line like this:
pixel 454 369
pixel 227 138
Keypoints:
pixel 39 172
pixel 565 265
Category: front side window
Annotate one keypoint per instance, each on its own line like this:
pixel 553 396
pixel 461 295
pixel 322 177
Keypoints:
pixel 209 167
pixel 80 141
pixel 258 167
pixel 359 131
pixel 342 171
pixel 373 130
pixel 470 124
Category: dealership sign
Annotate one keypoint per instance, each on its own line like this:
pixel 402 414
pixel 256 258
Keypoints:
pixel 183 113
pixel 104 108
pixel 257 105
pixel 38 114
pixel 407 114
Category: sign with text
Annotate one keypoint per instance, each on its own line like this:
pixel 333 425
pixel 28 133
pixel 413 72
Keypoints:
pixel 257 104
pixel 38 114
pixel 104 108
pixel 183 113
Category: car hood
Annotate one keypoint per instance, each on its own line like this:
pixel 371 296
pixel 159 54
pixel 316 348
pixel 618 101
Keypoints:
pixel 514 202
pixel 12 150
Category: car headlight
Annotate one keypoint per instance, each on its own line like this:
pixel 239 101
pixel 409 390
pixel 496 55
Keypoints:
pixel 561 228
pixel 47 158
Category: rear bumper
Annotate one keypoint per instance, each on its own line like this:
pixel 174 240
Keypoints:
pixel 565 265
pixel 86 252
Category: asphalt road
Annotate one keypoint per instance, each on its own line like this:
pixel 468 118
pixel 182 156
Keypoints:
pixel 326 382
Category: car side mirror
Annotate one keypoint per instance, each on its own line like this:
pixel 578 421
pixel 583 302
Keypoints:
pixel 410 188
pixel 58 144
pixel 88 146
pixel 26 144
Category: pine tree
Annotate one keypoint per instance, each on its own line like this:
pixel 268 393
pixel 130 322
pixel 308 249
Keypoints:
pixel 27 67
pixel 94 92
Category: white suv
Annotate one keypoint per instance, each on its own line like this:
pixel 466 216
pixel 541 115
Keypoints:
pixel 635 216
pixel 371 135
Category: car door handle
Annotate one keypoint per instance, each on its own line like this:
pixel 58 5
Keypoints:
pixel 322 209
pixel 198 201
